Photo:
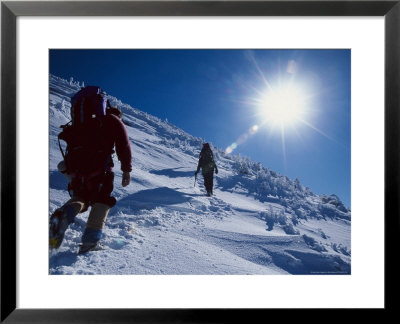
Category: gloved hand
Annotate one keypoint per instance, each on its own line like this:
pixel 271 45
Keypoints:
pixel 216 171
pixel 126 179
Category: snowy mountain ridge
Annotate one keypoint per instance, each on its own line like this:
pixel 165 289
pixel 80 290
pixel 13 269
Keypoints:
pixel 258 222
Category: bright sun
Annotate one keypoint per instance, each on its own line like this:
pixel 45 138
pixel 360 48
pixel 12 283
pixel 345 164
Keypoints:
pixel 283 106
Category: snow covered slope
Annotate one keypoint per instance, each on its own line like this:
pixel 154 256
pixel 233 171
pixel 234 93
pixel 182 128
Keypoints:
pixel 258 222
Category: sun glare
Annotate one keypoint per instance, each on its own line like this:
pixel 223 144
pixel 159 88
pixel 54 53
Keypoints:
pixel 283 106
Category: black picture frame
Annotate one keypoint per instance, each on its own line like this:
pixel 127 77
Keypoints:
pixel 10 10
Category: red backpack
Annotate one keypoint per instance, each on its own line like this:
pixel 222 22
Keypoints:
pixel 84 155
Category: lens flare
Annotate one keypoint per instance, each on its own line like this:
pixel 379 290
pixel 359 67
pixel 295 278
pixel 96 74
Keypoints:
pixel 253 130
pixel 242 139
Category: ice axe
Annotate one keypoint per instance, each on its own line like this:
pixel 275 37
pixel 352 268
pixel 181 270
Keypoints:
pixel 195 178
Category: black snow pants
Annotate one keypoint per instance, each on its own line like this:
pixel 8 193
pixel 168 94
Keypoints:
pixel 208 181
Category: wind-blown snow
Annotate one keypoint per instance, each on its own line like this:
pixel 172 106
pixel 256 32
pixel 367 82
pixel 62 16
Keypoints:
pixel 258 222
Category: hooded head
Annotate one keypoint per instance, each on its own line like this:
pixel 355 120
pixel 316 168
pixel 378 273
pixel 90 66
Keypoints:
pixel 115 111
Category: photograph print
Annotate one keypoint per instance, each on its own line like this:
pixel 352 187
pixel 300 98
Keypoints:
pixel 200 161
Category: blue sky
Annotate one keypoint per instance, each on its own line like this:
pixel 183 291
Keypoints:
pixel 224 96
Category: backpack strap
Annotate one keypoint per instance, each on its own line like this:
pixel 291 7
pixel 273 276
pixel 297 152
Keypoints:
pixel 59 145
pixel 59 137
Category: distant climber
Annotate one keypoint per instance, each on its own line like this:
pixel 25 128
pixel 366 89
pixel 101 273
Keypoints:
pixel 91 135
pixel 207 166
